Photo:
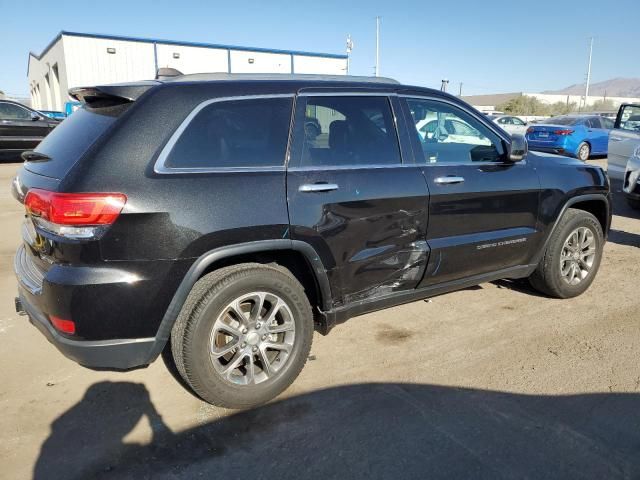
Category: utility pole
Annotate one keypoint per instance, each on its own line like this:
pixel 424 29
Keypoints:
pixel 443 85
pixel 349 48
pixel 460 90
pixel 586 90
pixel 377 68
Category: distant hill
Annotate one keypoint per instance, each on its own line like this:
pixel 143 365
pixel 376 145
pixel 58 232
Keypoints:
pixel 616 87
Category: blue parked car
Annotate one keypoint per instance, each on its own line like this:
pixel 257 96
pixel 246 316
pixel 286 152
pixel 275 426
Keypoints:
pixel 53 114
pixel 579 136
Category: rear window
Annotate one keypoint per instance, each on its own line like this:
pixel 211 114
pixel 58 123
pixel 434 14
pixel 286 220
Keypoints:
pixel 229 134
pixel 562 121
pixel 71 138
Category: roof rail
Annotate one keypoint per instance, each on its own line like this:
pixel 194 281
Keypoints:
pixel 201 77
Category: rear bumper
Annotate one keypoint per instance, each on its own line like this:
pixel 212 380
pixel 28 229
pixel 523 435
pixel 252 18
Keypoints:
pixel 109 312
pixel 122 354
pixel 548 149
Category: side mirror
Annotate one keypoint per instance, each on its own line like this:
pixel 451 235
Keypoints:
pixel 35 116
pixel 518 148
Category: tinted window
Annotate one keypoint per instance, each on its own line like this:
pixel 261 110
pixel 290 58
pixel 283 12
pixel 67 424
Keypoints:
pixel 448 134
pixel 238 133
pixel 517 121
pixel 606 123
pixel 563 121
pixel 71 138
pixel 593 122
pixel 349 131
pixel 9 111
pixel 630 118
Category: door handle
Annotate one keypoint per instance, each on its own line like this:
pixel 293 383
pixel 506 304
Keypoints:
pixel 449 180
pixel 317 187
pixel 615 138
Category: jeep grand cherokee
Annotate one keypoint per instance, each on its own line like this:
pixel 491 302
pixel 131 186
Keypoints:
pixel 198 217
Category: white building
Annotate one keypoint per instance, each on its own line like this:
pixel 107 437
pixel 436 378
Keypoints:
pixel 80 59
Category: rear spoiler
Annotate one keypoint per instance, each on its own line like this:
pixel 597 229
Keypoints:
pixel 104 95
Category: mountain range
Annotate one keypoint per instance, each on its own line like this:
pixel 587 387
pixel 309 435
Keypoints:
pixel 615 87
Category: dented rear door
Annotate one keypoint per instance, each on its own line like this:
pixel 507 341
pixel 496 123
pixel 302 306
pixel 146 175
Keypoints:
pixel 353 199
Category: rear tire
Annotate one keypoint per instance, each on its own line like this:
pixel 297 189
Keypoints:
pixel 243 335
pixel 584 151
pixel 572 256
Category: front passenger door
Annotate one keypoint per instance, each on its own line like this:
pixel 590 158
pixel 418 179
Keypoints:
pixel 483 208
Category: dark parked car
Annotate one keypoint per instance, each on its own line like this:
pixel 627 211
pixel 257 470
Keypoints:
pixel 198 218
pixel 21 128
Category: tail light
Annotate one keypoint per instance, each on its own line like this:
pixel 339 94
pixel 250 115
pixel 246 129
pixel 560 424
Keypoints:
pixel 530 130
pixel 563 132
pixel 74 215
pixel 62 325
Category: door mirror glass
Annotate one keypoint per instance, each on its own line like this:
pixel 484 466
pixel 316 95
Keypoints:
pixel 518 148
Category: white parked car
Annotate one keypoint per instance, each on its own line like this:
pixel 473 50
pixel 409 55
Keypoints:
pixel 624 152
pixel 511 124
pixel 450 130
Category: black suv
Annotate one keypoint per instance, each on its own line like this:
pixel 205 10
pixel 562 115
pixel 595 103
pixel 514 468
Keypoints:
pixel 200 217
pixel 21 129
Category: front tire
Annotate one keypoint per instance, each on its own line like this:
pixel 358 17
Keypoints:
pixel 584 151
pixel 572 256
pixel 243 335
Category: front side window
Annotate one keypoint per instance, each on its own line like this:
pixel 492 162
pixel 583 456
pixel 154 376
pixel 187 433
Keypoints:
pixel 9 111
pixel 349 131
pixel 630 118
pixel 235 133
pixel 517 121
pixel 448 134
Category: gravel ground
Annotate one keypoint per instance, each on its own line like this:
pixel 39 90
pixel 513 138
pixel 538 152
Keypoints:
pixel 489 382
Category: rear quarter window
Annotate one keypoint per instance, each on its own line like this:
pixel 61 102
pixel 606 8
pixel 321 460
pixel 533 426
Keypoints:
pixel 68 141
pixel 232 134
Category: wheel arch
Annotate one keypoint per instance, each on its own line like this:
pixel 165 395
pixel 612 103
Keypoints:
pixel 596 203
pixel 285 252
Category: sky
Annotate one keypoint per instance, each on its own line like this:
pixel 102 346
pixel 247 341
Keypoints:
pixel 490 46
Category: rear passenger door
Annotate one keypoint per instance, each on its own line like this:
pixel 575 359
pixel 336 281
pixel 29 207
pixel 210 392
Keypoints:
pixel 483 208
pixel 353 198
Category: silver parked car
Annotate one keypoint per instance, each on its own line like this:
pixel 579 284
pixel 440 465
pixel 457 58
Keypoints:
pixel 511 124
pixel 624 152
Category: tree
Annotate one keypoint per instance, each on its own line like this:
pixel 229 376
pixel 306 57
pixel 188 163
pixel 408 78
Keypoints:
pixel 601 105
pixel 525 105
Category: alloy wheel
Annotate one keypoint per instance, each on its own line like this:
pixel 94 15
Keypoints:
pixel 583 153
pixel 578 255
pixel 252 339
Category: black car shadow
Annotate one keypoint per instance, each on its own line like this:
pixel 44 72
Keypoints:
pixel 624 238
pixel 620 205
pixel 368 431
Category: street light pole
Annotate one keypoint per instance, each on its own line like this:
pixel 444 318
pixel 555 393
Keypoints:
pixel 377 46
pixel 349 48
pixel 586 90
